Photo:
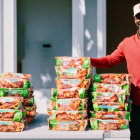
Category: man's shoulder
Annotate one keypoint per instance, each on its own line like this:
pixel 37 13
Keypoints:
pixel 127 40
pixel 130 38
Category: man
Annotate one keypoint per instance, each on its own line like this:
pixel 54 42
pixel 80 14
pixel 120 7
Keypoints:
pixel 129 51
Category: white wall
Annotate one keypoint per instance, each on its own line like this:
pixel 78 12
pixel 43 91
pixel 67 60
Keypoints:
pixel 43 21
pixel 8 36
pixel 78 13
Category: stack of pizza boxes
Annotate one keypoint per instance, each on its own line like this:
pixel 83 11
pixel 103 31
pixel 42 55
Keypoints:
pixel 17 107
pixel 68 110
pixel 111 103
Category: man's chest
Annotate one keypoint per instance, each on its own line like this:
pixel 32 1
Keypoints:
pixel 132 52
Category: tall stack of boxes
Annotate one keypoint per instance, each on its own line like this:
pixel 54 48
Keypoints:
pixel 17 107
pixel 68 110
pixel 110 97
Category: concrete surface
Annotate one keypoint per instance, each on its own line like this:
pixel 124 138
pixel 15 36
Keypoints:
pixel 38 129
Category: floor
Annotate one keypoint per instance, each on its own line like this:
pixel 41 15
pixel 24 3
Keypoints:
pixel 38 129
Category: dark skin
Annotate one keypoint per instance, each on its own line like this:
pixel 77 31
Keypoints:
pixel 137 22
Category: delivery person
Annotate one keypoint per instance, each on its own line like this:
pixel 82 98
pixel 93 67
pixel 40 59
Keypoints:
pixel 129 51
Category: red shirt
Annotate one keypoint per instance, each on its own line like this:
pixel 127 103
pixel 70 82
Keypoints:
pixel 129 51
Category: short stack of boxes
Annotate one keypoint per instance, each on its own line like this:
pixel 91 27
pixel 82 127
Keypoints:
pixel 110 96
pixel 68 102
pixel 17 107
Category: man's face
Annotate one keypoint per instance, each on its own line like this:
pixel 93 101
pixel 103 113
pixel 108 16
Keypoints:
pixel 137 20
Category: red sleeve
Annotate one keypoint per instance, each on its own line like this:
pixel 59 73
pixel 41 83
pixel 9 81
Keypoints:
pixel 111 60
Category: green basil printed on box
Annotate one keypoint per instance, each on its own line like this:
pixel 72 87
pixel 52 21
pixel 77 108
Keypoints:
pixel 121 98
pixel 112 109
pixel 120 117
pixel 28 109
pixel 97 77
pixel 53 122
pixel 86 63
pixel 124 126
pixel 55 93
pixel 18 106
pixel 95 86
pixel 53 99
pixel 82 105
pixel 56 103
pixel 96 107
pixel 94 96
pixel 88 73
pixel 17 116
pixel 127 87
pixel 80 112
pixel 27 84
pixel 93 114
pixel 85 124
pixel 58 72
pixel 3 93
pixel 82 92
pixel 23 114
pixel 58 62
pixel 53 116
pixel 31 101
pixel 127 107
pixel 127 116
pixel 94 124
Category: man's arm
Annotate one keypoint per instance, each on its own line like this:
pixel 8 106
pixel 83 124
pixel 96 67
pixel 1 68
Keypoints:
pixel 111 60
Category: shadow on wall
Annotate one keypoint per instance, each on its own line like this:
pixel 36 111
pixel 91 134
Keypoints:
pixel 21 46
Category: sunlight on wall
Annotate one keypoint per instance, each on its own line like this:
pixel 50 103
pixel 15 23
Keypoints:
pixel 45 78
pixel 82 7
pixel 90 41
pixel 90 45
pixel 87 34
